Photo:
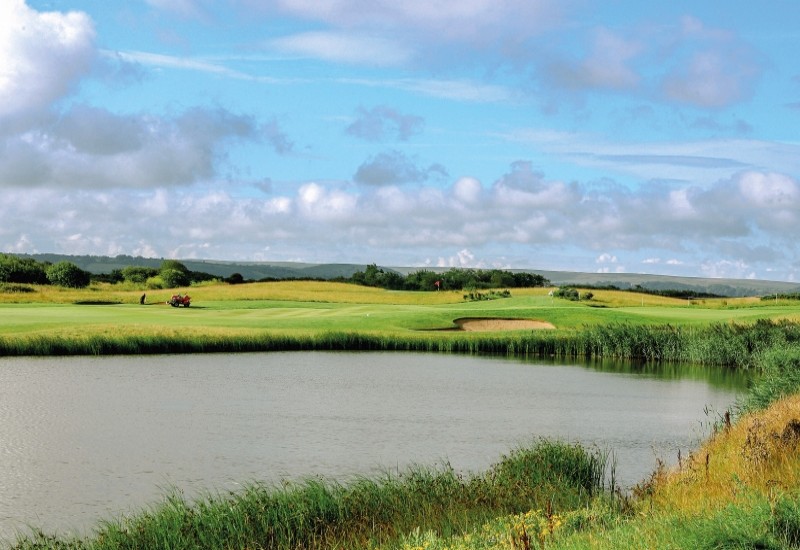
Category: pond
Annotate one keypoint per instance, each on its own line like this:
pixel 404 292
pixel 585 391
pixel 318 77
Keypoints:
pixel 87 438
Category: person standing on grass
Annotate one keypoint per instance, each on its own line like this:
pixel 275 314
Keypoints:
pixel 142 299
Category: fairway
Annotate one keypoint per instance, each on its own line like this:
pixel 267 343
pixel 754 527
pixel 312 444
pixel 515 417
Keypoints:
pixel 307 308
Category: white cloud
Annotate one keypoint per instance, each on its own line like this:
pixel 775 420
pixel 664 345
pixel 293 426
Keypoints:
pixel 89 148
pixel 467 190
pixel 465 224
pixel 465 21
pixel 383 122
pixel 606 66
pixel 770 190
pixel 727 269
pixel 42 56
pixel 344 47
pixel 606 258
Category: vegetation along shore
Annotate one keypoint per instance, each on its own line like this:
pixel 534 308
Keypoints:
pixel 739 490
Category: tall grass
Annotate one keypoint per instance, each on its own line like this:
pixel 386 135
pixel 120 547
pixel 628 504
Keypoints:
pixel 779 377
pixel 365 512
pixel 730 345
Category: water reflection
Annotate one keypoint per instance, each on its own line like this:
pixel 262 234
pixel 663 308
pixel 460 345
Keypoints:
pixel 88 438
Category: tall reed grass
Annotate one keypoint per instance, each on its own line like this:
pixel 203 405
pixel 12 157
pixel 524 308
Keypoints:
pixel 363 513
pixel 730 345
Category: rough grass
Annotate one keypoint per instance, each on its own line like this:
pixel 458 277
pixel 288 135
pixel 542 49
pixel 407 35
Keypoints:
pixel 365 512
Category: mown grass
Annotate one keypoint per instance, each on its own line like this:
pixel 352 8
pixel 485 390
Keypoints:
pixel 319 315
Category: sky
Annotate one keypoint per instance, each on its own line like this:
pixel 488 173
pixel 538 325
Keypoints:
pixel 594 136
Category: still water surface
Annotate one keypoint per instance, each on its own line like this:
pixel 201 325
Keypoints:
pixel 84 439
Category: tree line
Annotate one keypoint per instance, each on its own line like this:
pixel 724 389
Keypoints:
pixel 452 279
pixel 172 274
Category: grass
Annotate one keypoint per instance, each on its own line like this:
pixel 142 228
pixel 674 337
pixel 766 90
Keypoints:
pixel 320 315
pixel 741 489
pixel 365 512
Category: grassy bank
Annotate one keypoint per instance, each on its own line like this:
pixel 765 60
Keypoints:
pixel 740 490
pixel 730 345
pixel 364 513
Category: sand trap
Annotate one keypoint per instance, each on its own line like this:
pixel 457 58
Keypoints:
pixel 473 324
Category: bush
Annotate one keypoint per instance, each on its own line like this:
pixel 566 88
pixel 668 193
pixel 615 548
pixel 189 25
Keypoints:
pixel 68 275
pixel 173 264
pixel 22 270
pixel 567 293
pixel 173 278
pixel 137 274
pixel 155 283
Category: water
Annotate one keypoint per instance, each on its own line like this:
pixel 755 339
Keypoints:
pixel 84 439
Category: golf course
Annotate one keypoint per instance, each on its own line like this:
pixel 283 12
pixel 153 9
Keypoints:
pixel 46 320
pixel 740 489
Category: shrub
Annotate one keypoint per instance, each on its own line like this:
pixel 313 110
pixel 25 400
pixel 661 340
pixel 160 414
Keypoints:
pixel 173 278
pixel 22 270
pixel 155 283
pixel 567 293
pixel 137 274
pixel 68 275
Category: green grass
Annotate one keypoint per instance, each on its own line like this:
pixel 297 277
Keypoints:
pixel 315 315
pixel 745 495
pixel 321 514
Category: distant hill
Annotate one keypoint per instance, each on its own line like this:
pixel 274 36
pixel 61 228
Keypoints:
pixel 296 270
pixel 721 287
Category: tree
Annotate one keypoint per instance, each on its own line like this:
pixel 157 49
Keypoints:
pixel 14 269
pixel 234 279
pixel 173 264
pixel 67 274
pixel 174 278
pixel 138 274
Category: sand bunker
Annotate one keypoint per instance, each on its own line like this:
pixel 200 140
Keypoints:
pixel 473 324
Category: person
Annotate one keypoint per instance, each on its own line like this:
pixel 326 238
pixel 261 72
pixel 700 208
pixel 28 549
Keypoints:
pixel 142 299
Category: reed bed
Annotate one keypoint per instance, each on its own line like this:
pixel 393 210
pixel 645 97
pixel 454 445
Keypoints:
pixel 316 513
pixel 729 344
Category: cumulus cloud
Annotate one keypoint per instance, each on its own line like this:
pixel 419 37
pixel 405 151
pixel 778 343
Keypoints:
pixel 383 122
pixel 44 54
pixel 91 148
pixel 394 168
pixel 721 228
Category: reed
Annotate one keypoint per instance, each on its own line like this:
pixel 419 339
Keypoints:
pixel 316 513
pixel 729 345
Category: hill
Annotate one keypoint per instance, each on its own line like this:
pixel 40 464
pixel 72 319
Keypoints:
pixel 297 270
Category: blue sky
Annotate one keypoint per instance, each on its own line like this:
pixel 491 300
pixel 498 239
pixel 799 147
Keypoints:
pixel 615 136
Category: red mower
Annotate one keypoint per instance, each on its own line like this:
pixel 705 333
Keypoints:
pixel 179 300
